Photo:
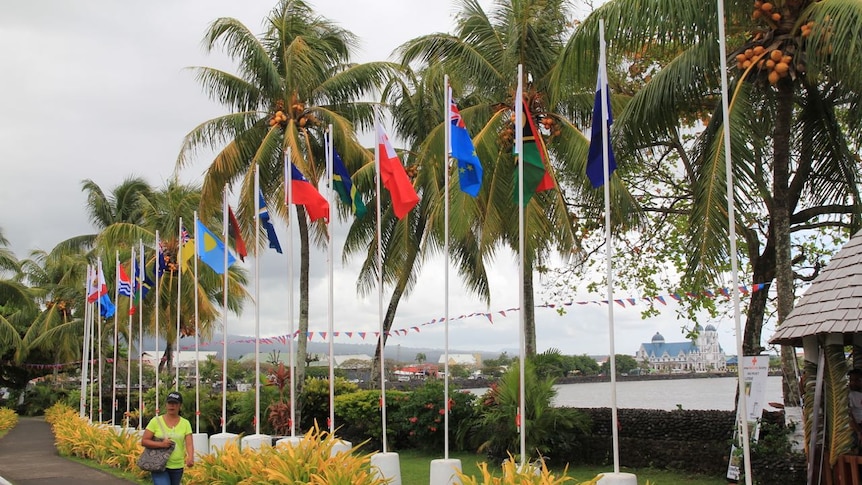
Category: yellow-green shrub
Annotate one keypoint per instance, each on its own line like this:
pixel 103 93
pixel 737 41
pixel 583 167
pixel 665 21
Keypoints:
pixel 8 419
pixel 514 474
pixel 308 461
pixel 76 436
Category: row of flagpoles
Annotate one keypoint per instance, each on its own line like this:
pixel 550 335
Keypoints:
pixel 390 173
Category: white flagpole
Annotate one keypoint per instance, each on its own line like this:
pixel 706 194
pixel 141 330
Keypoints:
pixel 257 253
pixel 85 344
pixel 288 187
pixel 99 333
pixel 114 404
pixel 129 344
pixel 197 337
pixel 731 218
pixel 224 317
pixel 519 148
pixel 157 308
pixel 330 306
pixel 381 328
pixel 142 275
pixel 94 311
pixel 179 263
pixel 447 136
pixel 603 81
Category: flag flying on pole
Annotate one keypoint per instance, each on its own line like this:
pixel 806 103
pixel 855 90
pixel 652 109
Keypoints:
pixel 106 308
pixel 462 149
pixel 161 260
pixel 263 214
pixel 124 285
pixel 595 159
pixel 234 232
pixel 211 250
pixel 188 247
pixel 394 177
pixel 92 285
pixel 140 287
pixel 344 186
pixel 304 193
pixel 536 176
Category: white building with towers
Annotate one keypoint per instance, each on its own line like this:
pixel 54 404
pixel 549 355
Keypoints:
pixel 703 354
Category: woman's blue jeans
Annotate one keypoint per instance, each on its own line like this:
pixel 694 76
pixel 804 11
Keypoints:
pixel 171 476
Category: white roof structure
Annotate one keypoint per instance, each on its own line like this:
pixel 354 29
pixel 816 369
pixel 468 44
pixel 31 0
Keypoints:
pixel 462 359
pixel 833 302
pixel 183 358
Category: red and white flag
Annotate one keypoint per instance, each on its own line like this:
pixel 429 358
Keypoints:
pixel 394 177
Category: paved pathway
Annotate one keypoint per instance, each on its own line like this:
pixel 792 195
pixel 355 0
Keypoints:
pixel 28 457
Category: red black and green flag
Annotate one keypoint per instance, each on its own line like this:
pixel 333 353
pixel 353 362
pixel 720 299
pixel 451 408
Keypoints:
pixel 536 176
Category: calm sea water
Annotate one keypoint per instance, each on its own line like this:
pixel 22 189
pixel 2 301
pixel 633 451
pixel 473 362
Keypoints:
pixel 713 393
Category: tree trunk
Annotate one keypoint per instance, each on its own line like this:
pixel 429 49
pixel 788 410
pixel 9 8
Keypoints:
pixel 781 208
pixel 763 272
pixel 302 340
pixel 389 318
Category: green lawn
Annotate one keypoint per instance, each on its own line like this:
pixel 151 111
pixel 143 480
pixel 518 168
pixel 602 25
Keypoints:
pixel 416 466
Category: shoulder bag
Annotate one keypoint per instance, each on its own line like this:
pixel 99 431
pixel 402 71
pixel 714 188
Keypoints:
pixel 155 459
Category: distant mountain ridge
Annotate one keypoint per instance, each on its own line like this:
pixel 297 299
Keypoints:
pixel 239 345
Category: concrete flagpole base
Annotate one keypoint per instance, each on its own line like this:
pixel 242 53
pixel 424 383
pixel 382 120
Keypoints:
pixel 218 441
pixel 340 446
pixel 618 479
pixel 256 441
pixel 444 471
pixel 388 467
pixel 202 444
pixel 290 440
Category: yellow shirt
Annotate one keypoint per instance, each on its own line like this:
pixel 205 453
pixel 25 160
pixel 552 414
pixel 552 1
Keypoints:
pixel 177 434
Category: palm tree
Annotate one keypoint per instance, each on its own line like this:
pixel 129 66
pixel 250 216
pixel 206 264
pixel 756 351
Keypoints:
pixel 482 58
pixel 16 303
pixel 794 133
pixel 161 210
pixel 293 81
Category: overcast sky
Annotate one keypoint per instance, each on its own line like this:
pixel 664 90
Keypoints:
pixel 96 89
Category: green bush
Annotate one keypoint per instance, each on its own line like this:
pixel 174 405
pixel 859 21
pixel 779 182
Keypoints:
pixel 361 417
pixel 421 415
pixel 315 401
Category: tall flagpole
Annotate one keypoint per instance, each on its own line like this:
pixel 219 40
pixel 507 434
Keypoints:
pixel 731 219
pixel 114 404
pixel 99 333
pixel 142 276
pixel 85 344
pixel 257 253
pixel 179 263
pixel 129 344
pixel 447 136
pixel 329 263
pixel 197 337
pixel 522 350
pixel 603 77
pixel 288 187
pixel 224 317
pixel 157 308
pixel 380 287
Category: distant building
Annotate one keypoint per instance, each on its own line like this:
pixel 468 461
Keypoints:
pixel 471 361
pixel 701 355
pixel 184 359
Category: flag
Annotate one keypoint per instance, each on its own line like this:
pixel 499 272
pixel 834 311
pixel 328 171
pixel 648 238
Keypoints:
pixel 462 149
pixel 211 250
pixel 234 232
pixel 124 285
pixel 161 261
pixel 595 158
pixel 188 246
pixel 394 177
pixel 536 176
pixel 106 308
pixel 344 186
pixel 92 285
pixel 263 214
pixel 140 288
pixel 304 193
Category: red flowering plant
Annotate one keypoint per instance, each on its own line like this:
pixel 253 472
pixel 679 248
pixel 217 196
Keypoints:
pixel 421 416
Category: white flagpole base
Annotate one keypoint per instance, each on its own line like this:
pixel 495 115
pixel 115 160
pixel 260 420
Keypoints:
pixel 387 467
pixel 290 441
pixel 218 441
pixel 444 471
pixel 340 446
pixel 618 479
pixel 256 441
pixel 202 444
